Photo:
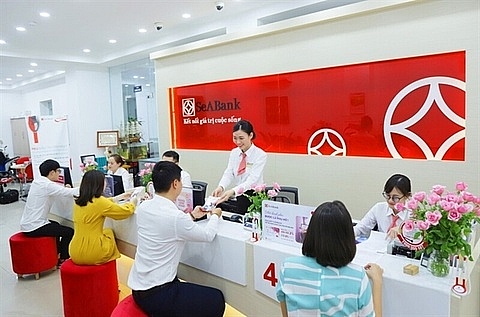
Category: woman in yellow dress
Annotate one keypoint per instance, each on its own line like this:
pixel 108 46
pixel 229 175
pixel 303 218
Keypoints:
pixel 91 243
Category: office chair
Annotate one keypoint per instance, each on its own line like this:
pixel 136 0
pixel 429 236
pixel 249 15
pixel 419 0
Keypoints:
pixel 199 192
pixel 28 174
pixel 287 194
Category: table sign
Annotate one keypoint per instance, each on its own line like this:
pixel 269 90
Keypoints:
pixel 285 223
pixel 184 201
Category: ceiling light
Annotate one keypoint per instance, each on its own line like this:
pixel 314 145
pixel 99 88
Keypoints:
pixel 20 28
pixel 19 75
pixel 8 78
pixel 3 42
pixel 142 30
pixel 142 77
pixel 126 86
pixel 148 85
pixel 135 76
pixel 45 14
pixel 86 50
pixel 33 64
pixel 112 41
pixel 1 82
pixel 31 71
pixel 186 15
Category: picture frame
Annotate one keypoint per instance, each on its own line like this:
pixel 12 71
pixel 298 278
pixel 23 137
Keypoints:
pixel 87 158
pixel 107 138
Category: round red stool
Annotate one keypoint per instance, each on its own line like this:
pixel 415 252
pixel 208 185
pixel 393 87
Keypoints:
pixel 32 255
pixel 89 290
pixel 128 308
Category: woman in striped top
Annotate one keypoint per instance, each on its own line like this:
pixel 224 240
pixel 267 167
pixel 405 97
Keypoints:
pixel 324 282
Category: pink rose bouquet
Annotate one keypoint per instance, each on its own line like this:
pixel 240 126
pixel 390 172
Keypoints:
pixel 260 194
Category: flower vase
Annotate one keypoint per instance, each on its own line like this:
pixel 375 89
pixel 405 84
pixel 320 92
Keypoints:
pixel 256 226
pixel 439 264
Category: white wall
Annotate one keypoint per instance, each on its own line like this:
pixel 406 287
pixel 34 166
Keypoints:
pixel 84 96
pixel 418 28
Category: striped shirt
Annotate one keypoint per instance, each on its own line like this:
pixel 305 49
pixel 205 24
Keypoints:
pixel 310 289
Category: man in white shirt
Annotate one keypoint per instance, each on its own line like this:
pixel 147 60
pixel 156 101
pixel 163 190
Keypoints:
pixel 163 230
pixel 43 191
pixel 174 157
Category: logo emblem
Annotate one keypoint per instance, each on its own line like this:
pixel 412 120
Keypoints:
pixel 188 107
pixel 330 137
pixel 434 97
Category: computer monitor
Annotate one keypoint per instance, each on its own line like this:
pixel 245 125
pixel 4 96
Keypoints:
pixel 117 185
pixel 65 177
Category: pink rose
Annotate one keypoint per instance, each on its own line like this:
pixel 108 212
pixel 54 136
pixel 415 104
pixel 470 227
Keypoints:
pixel 433 198
pixel 141 173
pixel 462 208
pixel 240 191
pixel 259 188
pixel 477 211
pixel 272 193
pixel 423 225
pixel 412 204
pixel 468 197
pixel 451 197
pixel 438 189
pixel 399 207
pixel 447 205
pixel 408 225
pixel 433 217
pixel 461 186
pixel 419 196
pixel 454 215
pixel 276 186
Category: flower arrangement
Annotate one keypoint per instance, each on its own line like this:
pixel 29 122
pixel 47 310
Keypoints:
pixel 88 166
pixel 260 194
pixel 444 218
pixel 146 173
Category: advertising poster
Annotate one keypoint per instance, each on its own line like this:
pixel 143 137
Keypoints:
pixel 389 109
pixel 285 223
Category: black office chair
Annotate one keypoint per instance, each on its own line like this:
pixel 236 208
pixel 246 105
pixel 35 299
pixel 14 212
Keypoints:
pixel 199 192
pixel 287 194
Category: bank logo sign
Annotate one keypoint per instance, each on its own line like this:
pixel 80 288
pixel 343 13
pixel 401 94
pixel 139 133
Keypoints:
pixel 188 107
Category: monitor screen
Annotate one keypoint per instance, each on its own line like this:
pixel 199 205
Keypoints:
pixel 65 177
pixel 117 185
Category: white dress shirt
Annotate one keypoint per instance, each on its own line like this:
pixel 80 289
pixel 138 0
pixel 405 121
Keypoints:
pixel 40 199
pixel 186 179
pixel 380 214
pixel 256 160
pixel 162 233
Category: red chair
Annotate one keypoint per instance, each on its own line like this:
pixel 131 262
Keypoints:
pixel 32 255
pixel 128 308
pixel 28 171
pixel 89 290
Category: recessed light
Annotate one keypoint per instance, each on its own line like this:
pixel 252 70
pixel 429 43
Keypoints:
pixel 1 82
pixel 8 78
pixel 126 86
pixel 112 41
pixel 142 30
pixel 86 50
pixel 19 75
pixel 44 14
pixel 33 64
pixel 3 42
pixel 148 85
pixel 135 76
pixel 186 15
pixel 142 77
pixel 20 28
pixel 31 71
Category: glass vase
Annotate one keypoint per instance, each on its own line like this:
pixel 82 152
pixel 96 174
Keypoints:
pixel 439 264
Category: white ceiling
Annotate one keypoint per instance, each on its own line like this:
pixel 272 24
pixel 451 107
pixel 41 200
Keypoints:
pixel 56 43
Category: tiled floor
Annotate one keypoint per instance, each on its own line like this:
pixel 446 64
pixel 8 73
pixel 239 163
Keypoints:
pixel 23 297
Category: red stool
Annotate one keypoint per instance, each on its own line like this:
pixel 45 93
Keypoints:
pixel 89 290
pixel 128 308
pixel 32 255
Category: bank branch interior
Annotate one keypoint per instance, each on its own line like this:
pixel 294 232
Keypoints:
pixel 341 94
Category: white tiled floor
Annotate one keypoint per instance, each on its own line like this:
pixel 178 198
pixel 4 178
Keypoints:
pixel 23 297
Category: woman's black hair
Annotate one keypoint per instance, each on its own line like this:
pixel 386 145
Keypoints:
pixel 401 182
pixel 330 238
pixel 118 159
pixel 92 185
pixel 245 126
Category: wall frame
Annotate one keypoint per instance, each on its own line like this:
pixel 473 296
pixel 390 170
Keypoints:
pixel 107 138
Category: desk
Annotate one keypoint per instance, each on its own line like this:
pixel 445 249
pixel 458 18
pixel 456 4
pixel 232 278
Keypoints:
pixel 20 168
pixel 216 264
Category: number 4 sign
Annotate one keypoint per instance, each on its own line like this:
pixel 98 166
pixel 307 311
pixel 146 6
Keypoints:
pixel 267 261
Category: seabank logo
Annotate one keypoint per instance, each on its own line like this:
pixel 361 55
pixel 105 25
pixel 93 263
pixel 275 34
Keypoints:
pixel 190 107
pixel 434 97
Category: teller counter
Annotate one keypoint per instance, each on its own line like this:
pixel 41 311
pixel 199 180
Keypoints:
pixel 247 272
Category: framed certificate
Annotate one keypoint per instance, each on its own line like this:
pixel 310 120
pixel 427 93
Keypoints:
pixel 107 138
